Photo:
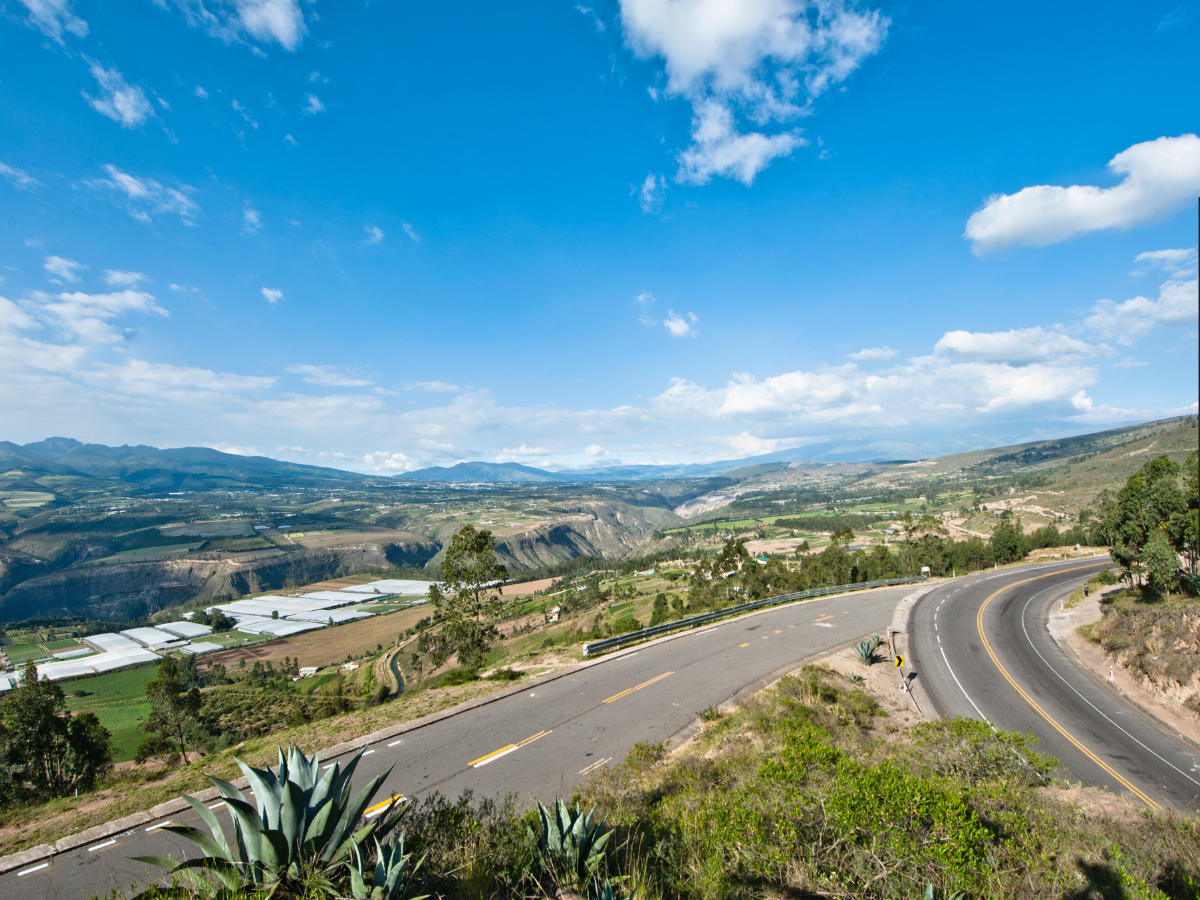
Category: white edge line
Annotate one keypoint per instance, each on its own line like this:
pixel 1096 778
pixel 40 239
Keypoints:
pixel 107 843
pixel 394 743
pixel 330 766
pixel 368 753
pixel 494 757
pixel 217 805
pixel 33 869
pixel 1085 699
pixel 158 826
pixel 964 690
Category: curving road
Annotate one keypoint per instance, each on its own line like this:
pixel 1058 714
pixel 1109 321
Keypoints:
pixel 541 741
pixel 983 650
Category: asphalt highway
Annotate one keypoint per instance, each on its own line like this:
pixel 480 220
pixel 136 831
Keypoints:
pixel 981 648
pixel 539 743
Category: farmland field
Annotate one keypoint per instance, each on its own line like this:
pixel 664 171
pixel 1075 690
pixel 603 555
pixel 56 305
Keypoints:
pixel 119 702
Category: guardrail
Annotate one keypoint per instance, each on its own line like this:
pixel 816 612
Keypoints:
pixel 595 648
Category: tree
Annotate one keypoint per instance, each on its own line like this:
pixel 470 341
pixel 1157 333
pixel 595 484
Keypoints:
pixel 1161 561
pixel 46 750
pixel 466 600
pixel 174 721
pixel 660 612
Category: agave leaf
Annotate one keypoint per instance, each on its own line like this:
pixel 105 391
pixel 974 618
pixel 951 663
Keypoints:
pixel 321 826
pixel 386 824
pixel 207 844
pixel 273 847
pixel 324 789
pixel 350 816
pixel 218 833
pixel 229 874
pixel 248 828
pixel 265 787
pixel 292 815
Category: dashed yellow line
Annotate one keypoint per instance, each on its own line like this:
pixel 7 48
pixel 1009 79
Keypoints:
pixel 530 740
pixel 1041 712
pixel 823 618
pixel 744 645
pixel 372 811
pixel 639 687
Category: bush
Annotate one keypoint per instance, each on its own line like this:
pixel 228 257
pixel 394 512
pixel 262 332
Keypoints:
pixel 625 625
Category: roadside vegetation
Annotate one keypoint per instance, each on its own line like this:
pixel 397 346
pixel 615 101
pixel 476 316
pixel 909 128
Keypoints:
pixel 807 791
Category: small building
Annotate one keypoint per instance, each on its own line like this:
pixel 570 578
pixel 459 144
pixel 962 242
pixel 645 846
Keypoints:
pixel 306 671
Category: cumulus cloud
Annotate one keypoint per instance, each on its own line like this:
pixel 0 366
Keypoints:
pixel 1176 304
pixel 747 444
pixel 411 232
pixel 326 375
pixel 374 234
pixel 521 454
pixel 117 278
pixel 53 17
pixel 651 193
pixel 313 106
pixel 1158 177
pixel 245 114
pixel 437 387
pixel 383 461
pixel 273 295
pixel 645 302
pixel 145 198
pixel 19 178
pixel 200 92
pixel 62 269
pixel 1019 346
pixel 595 450
pixel 1178 263
pixel 766 60
pixel 120 101
pixel 680 327
pixel 268 21
pixel 867 354
pixel 1130 362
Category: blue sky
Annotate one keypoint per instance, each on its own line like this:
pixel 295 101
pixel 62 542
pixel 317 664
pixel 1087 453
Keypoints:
pixel 387 235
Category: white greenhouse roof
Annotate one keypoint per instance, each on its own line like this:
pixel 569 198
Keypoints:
pixel 106 642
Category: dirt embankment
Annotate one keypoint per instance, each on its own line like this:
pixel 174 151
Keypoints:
pixel 1154 654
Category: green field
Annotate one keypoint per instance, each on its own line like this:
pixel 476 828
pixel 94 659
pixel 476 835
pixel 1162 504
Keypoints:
pixel 64 644
pixel 22 653
pixel 119 702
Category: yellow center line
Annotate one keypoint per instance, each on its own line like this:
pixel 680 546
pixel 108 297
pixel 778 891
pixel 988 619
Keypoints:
pixel 372 811
pixel 639 687
pixel 1041 712
pixel 744 645
pixel 823 618
pixel 493 755
pixel 530 740
pixel 777 631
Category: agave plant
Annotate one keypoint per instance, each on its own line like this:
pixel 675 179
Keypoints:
pixel 390 877
pixel 302 831
pixel 572 847
pixel 866 649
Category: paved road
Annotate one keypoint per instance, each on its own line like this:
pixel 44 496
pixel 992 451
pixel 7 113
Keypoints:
pixel 982 650
pixel 541 742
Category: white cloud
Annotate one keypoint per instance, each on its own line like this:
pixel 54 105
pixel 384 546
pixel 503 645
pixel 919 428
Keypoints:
pixel 1092 413
pixel 138 377
pixel 87 317
pixel 145 197
pixel 200 92
pixel 680 327
pixel 595 450
pixel 522 454
pixel 437 387
pixel 53 17
pixel 19 178
pixel 1019 346
pixel 374 234
pixel 747 444
pixel 314 106
pixel 245 114
pixel 1159 177
pixel 269 21
pixel 411 232
pixel 251 220
pixel 235 449
pixel 273 295
pixel 645 302
pixel 1178 263
pixel 123 103
pixel 871 353
pixel 1177 304
pixel 760 57
pixel 117 278
pixel 1130 362
pixel 326 375
pixel 651 193
pixel 288 139
pixel 383 461
pixel 63 269
pixel 718 148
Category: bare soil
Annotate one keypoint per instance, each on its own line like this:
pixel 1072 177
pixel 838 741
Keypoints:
pixel 1064 627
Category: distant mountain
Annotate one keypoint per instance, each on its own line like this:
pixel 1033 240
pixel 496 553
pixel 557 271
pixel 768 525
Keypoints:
pixel 182 468
pixel 491 473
